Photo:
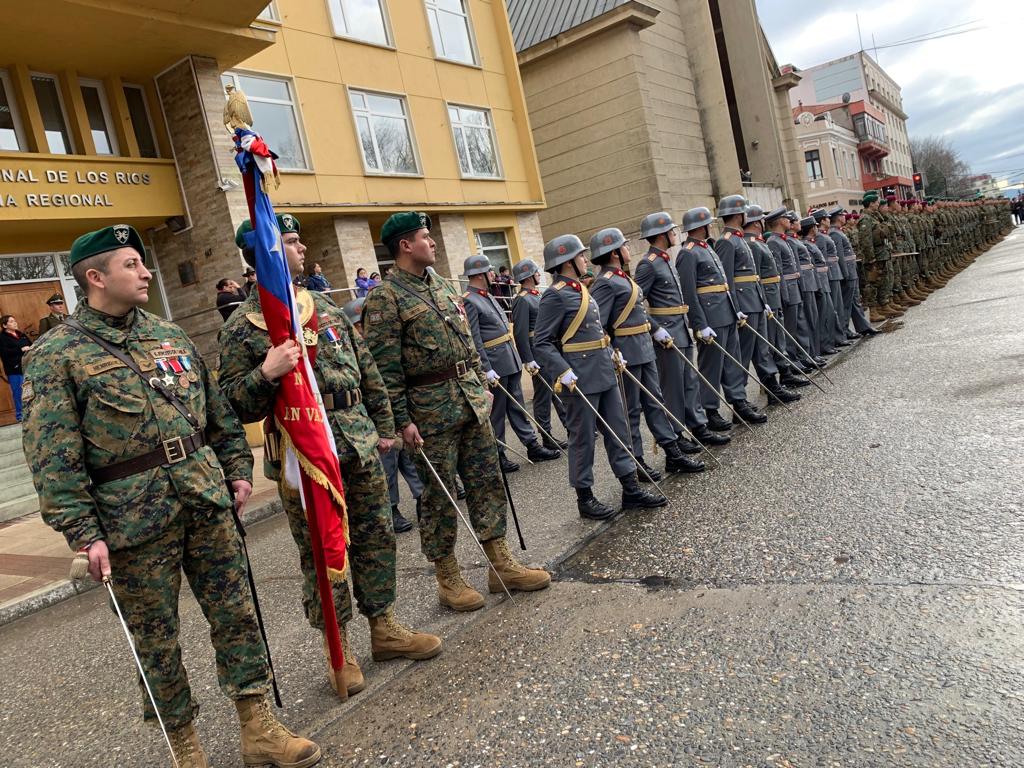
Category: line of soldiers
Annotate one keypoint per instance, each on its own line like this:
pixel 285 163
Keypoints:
pixel 912 247
pixel 139 456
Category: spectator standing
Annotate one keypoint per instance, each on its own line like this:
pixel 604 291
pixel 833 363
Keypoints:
pixel 315 280
pixel 250 280
pixel 229 296
pixel 363 284
pixel 13 346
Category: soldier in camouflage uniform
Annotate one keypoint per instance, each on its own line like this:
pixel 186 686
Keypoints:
pixel 360 416
pixel 873 239
pixel 166 508
pixel 416 328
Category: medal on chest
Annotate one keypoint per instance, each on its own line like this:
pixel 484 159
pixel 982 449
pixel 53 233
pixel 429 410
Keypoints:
pixel 175 365
pixel 333 337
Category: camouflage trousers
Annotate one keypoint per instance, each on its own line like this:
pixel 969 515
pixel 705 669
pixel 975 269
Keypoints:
pixel 371 546
pixel 871 283
pixel 468 447
pixel 896 267
pixel 147 579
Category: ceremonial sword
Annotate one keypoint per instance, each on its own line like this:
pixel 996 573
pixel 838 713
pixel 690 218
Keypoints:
pixel 746 372
pixel 782 354
pixel 529 416
pixel 806 353
pixel 707 383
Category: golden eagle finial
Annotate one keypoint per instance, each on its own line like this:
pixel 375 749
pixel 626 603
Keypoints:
pixel 236 111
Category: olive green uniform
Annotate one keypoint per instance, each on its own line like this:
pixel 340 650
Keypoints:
pixel 86 411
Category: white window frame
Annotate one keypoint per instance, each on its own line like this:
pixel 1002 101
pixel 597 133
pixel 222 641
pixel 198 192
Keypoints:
pixel 389 38
pixel 270 13
pixel 367 170
pixel 835 162
pixel 809 165
pixel 431 5
pixel 63 110
pixel 481 248
pixel 500 172
pixel 85 82
pixel 12 101
pixel 149 115
pixel 293 103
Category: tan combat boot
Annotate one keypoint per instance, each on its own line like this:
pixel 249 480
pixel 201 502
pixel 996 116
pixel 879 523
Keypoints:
pixel 514 574
pixel 186 748
pixel 266 742
pixel 452 589
pixel 349 680
pixel 390 640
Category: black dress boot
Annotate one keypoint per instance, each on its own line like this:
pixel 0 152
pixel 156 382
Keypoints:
pixel 401 524
pixel 590 507
pixel 686 445
pixel 789 380
pixel 635 497
pixel 749 413
pixel 554 443
pixel 652 475
pixel 677 461
pixel 715 421
pixel 777 389
pixel 460 489
pixel 707 437
pixel 537 452
pixel 507 465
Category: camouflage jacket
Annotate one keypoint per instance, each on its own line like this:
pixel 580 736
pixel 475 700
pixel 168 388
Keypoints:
pixel 341 366
pixel 873 237
pixel 416 326
pixel 85 409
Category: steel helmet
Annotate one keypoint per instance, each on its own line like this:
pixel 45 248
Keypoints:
pixel 655 224
pixel 754 213
pixel 731 205
pixel 354 310
pixel 477 264
pixel 695 218
pixel 604 243
pixel 524 269
pixel 560 250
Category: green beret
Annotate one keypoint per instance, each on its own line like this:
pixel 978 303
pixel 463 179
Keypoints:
pixel 106 240
pixel 285 222
pixel 399 224
pixel 869 197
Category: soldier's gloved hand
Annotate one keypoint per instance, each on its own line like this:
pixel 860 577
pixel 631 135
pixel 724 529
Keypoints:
pixel 707 334
pixel 741 319
pixel 531 368
pixel 492 377
pixel 281 359
pixel 768 312
pixel 569 380
pixel 99 560
pixel 663 337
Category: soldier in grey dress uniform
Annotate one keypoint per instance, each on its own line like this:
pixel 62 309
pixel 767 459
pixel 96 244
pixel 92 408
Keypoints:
pixel 621 304
pixel 769 292
pixel 808 330
pixel 835 276
pixel 500 361
pixel 826 313
pixel 852 308
pixel 395 459
pixel 714 317
pixel 792 300
pixel 524 317
pixel 657 277
pixel 570 339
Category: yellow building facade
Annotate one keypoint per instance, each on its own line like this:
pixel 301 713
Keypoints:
pixel 112 113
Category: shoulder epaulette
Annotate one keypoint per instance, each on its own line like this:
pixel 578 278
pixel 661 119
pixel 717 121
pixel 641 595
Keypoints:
pixel 689 246
pixel 558 286
pixel 465 295
pixel 727 235
pixel 652 256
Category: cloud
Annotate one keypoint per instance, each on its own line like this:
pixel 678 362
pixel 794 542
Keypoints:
pixel 966 87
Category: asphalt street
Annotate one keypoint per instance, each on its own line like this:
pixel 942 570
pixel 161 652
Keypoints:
pixel 847 589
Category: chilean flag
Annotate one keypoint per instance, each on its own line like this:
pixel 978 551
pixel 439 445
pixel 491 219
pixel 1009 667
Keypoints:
pixel 310 454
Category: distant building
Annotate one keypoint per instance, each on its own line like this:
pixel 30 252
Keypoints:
pixel 645 105
pixel 859 78
pixel 838 141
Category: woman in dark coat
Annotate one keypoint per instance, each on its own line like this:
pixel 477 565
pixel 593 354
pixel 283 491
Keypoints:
pixel 13 346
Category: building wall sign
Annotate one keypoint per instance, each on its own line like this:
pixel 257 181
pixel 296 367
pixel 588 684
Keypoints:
pixel 34 187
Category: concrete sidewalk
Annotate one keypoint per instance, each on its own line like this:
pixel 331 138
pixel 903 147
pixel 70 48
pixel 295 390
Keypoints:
pixel 34 559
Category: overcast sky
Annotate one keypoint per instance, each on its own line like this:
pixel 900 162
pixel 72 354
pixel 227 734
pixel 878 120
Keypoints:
pixel 969 88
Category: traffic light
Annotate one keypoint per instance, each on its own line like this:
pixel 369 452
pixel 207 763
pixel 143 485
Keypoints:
pixel 919 181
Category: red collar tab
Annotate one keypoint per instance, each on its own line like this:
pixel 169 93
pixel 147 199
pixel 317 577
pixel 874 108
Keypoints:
pixel 574 285
pixel 702 244
pixel 480 291
pixel 620 273
pixel 534 292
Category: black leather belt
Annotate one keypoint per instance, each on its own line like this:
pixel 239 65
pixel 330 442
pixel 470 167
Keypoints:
pixel 335 401
pixel 436 377
pixel 172 451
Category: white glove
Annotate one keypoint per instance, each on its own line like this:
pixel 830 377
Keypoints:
pixel 531 368
pixel 741 318
pixel 492 377
pixel 767 309
pixel 708 333
pixel 569 379
pixel 661 336
pixel 619 359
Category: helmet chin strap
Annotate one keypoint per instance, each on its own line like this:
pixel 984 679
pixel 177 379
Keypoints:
pixel 576 269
